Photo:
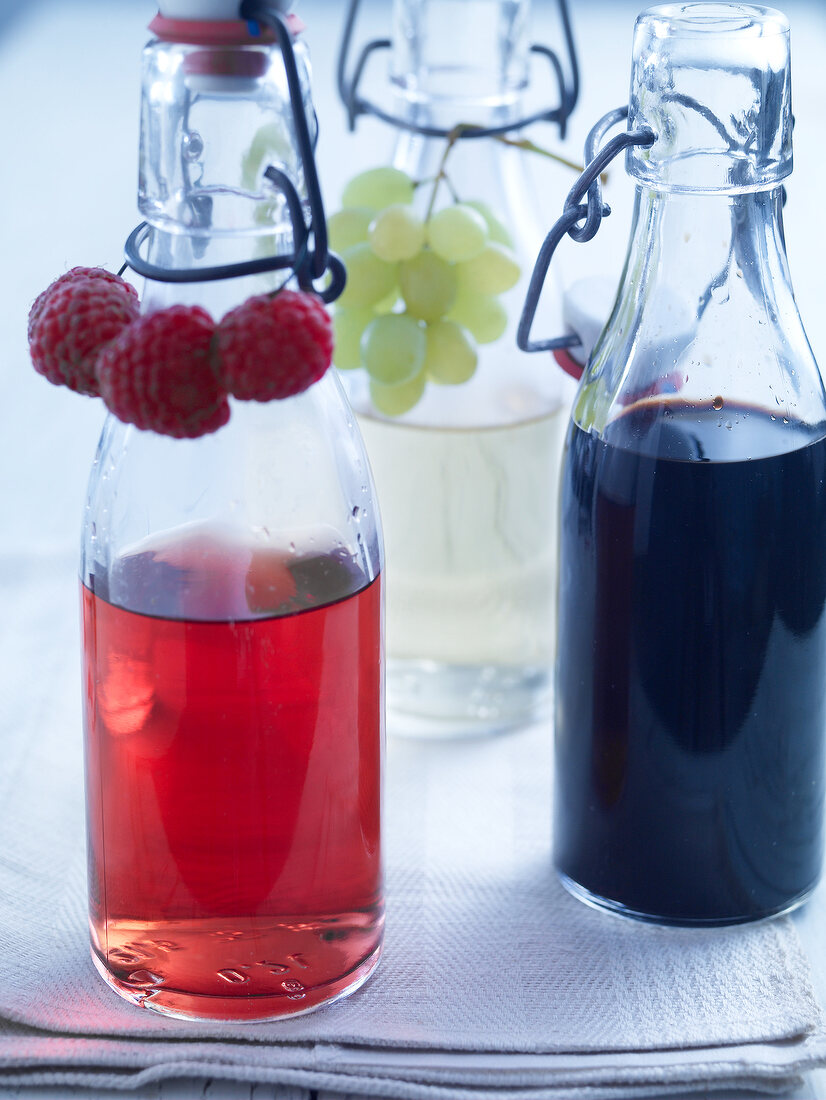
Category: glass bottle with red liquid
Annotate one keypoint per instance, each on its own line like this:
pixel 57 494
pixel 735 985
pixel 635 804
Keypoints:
pixel 232 604
pixel 691 674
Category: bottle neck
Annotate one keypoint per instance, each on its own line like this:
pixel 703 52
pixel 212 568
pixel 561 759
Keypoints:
pixel 705 312
pixel 465 57
pixel 703 249
pixel 212 121
pixel 180 251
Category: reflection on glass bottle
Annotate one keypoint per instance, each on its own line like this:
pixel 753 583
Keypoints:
pixel 691 693
pixel 232 613
pixel 466 476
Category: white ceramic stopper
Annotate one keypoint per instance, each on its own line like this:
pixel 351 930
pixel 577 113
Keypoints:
pixel 207 10
pixel 586 306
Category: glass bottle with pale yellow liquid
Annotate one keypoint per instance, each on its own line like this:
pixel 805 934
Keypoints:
pixel 464 432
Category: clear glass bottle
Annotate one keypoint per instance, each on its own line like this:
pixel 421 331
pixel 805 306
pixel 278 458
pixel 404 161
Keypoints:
pixel 691 688
pixel 232 609
pixel 467 478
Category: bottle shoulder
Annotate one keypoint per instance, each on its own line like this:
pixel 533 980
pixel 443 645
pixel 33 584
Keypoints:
pixel 285 472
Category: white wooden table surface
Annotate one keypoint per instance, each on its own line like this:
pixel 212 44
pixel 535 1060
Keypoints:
pixel 69 86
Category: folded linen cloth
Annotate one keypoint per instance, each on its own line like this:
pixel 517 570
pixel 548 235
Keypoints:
pixel 494 980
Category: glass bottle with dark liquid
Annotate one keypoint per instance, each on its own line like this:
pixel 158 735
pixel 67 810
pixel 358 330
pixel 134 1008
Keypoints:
pixel 691 679
pixel 232 608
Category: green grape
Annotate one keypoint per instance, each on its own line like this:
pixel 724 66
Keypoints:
pixel 270 144
pixel 393 348
pixel 497 231
pixel 395 400
pixel 348 227
pixel 377 188
pixel 397 233
pixel 493 271
pixel 387 305
pixel 348 326
pixel 369 279
pixel 482 315
pixel 450 358
pixel 457 233
pixel 428 285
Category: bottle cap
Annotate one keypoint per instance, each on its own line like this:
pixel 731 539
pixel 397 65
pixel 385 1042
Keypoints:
pixel 712 80
pixel 586 307
pixel 207 10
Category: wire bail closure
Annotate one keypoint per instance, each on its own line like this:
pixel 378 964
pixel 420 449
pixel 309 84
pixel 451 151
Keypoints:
pixel 589 214
pixel 310 259
pixel 356 105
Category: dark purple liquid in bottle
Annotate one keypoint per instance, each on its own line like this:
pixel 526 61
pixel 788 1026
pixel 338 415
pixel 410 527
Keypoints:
pixel 691 685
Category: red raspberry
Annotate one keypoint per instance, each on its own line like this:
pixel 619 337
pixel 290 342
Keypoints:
pixel 157 374
pixel 73 319
pixel 273 347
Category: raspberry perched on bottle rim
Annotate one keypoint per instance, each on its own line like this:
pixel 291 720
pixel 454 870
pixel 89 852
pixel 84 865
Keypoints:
pixel 157 374
pixel 73 320
pixel 273 346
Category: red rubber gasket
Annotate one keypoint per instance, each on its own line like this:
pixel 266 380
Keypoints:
pixel 232 32
pixel 568 363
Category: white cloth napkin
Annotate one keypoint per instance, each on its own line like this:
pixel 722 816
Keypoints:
pixel 494 980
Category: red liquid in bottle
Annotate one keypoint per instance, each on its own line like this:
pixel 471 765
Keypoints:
pixel 233 778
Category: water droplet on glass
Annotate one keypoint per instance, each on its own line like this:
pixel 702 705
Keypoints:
pixel 193 145
pixel 720 294
pixel 356 512
pixel 292 986
pixel 717 402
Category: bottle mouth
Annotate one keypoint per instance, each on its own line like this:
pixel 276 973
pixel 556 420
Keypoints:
pixel 230 55
pixel 217 32
pixel 699 19
pixel 712 81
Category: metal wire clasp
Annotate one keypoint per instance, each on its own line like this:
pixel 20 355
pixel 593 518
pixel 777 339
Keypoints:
pixel 348 86
pixel 590 214
pixel 310 258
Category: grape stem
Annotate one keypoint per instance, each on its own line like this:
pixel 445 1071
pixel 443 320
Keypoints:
pixel 525 144
pixel 441 175
pixel 531 147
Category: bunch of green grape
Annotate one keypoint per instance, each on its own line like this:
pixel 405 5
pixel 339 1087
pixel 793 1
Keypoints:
pixel 421 293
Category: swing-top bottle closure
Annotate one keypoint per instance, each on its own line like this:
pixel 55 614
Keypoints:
pixel 712 81
pixel 442 57
pixel 218 23
pixel 709 112
pixel 209 11
pixel 212 185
